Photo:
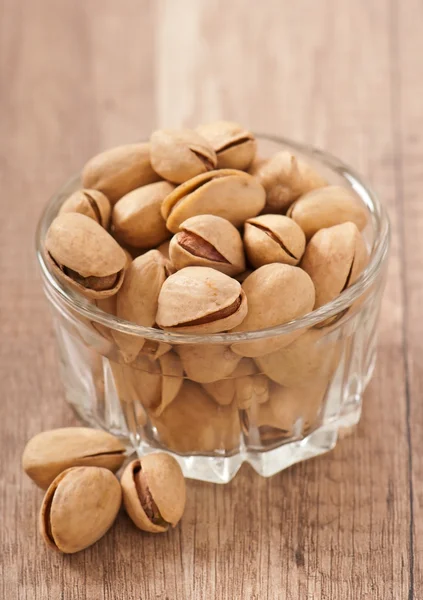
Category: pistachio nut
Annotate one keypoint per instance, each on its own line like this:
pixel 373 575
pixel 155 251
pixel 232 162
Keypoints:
pixel 205 363
pixel 328 206
pixel 250 387
pixel 200 300
pixel 233 195
pixel 154 350
pixel 235 147
pixel 285 178
pixel 50 452
pixel 85 256
pixel 334 259
pixel 92 203
pixel 313 355
pixel 223 391
pixel 193 422
pixel 273 239
pixel 136 217
pixel 79 507
pixel 154 492
pixel 164 249
pixel 180 154
pixel 107 305
pixel 276 294
pixel 137 299
pixel 208 241
pixel 120 170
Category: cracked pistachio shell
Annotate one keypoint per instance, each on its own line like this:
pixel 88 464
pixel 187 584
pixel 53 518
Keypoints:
pixel 85 256
pixel 285 178
pixel 288 411
pixel 313 355
pixel 193 422
pixel 49 453
pixel 154 492
pixel 223 390
pixel 235 147
pixel 79 507
pixel 334 259
pixel 180 154
pixel 205 363
pixel 138 297
pixel 120 170
pixel 233 195
pixel 273 239
pixel 200 300
pixel 92 203
pixel 276 294
pixel 328 206
pixel 137 219
pixel 208 241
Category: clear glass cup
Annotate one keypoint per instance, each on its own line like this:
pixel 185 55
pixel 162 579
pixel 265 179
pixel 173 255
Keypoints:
pixel 197 398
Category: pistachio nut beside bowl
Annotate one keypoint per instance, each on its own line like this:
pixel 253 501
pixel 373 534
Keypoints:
pixel 215 296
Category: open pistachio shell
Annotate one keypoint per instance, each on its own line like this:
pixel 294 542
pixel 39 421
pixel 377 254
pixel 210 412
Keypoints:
pixel 193 422
pixel 285 178
pixel 137 219
pixel 276 294
pixel 205 363
pixel 79 507
pixel 235 147
pixel 328 206
pixel 85 256
pixel 92 203
pixel 119 170
pixel 208 241
pixel 228 193
pixel 273 239
pixel 180 154
pixel 154 492
pixel 334 259
pixel 200 300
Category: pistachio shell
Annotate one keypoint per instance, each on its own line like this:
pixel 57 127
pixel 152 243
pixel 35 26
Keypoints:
pixel 326 207
pixel 137 219
pixel 155 350
pixel 273 239
pixel 200 300
pixel 251 390
pixel 208 241
pixel 276 294
pixel 120 170
pixel 285 178
pixel 195 423
pixel 313 355
pixel 179 154
pixel 49 453
pixel 92 203
pixel 223 390
pixel 235 147
pixel 85 256
pixel 154 492
pixel 233 195
pixel 79 507
pixel 164 249
pixel 205 363
pixel 334 259
pixel 138 297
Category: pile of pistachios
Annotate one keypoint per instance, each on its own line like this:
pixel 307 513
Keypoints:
pixel 76 466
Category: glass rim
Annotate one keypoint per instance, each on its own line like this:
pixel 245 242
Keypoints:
pixel 58 292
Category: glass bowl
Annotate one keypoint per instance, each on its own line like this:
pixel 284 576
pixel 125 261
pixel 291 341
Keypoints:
pixel 194 397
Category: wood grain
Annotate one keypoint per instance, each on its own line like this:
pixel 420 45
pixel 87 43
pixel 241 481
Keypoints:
pixel 79 77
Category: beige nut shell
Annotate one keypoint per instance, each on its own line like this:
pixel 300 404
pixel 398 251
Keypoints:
pixel 334 259
pixel 273 239
pixel 235 147
pixel 205 363
pixel 79 507
pixel 180 154
pixel 137 219
pixel 196 293
pixel 49 453
pixel 92 203
pixel 328 206
pixel 217 232
pixel 228 193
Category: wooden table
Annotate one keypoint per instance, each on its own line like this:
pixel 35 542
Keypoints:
pixel 78 77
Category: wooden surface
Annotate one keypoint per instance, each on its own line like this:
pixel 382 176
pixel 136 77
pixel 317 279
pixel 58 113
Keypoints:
pixel 77 77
